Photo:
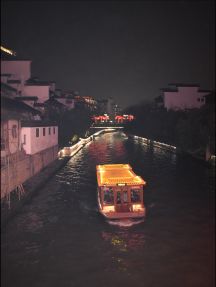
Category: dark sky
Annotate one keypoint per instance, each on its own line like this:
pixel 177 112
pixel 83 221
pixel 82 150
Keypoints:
pixel 126 50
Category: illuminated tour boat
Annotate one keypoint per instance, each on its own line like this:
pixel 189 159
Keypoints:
pixel 120 192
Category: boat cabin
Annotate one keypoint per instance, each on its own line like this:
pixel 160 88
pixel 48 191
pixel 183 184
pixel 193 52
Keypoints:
pixel 120 191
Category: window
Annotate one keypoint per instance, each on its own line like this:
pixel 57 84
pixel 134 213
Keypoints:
pixel 37 132
pixel 202 100
pixel 14 131
pixel 108 196
pixel 125 196
pixel 198 99
pixel 24 139
pixel 49 131
pixel 2 144
pixel 54 130
pixel 135 195
pixel 44 131
pixel 118 199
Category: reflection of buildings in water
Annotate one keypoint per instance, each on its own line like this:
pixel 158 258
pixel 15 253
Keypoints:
pixel 120 149
pixel 98 150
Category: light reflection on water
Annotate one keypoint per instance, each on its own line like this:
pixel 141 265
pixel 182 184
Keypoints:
pixel 125 222
pixel 61 239
pixel 125 241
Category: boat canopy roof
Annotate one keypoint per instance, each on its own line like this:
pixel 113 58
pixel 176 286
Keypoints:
pixel 117 174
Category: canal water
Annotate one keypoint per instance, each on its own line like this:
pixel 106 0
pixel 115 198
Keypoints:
pixel 60 239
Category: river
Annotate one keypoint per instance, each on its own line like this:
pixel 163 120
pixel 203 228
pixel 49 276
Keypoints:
pixel 60 240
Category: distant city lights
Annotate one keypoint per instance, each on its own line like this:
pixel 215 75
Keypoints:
pixel 8 51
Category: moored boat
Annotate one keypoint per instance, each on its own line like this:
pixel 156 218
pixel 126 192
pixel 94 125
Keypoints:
pixel 120 192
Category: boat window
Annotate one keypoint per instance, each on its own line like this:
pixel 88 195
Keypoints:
pixel 125 196
pixel 135 195
pixel 108 196
pixel 118 197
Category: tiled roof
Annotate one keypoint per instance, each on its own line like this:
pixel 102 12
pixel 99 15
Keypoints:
pixel 14 59
pixel 17 106
pixel 7 87
pixel 183 85
pixel 54 102
pixel 14 81
pixel 205 91
pixel 26 98
pixel 39 104
pixel 38 124
pixel 169 90
pixel 117 174
pixel 38 84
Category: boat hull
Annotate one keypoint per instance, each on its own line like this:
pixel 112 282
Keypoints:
pixel 123 215
pixel 120 215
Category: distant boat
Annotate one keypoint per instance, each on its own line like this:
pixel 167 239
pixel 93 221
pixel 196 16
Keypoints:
pixel 120 192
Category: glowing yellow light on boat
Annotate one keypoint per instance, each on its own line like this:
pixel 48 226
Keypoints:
pixel 137 207
pixel 8 51
pixel 109 208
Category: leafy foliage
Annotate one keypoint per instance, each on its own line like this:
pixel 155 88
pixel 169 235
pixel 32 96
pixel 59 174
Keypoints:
pixel 72 123
pixel 190 130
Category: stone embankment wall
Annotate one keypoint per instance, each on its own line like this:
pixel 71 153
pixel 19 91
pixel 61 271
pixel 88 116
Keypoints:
pixel 35 173
pixel 16 170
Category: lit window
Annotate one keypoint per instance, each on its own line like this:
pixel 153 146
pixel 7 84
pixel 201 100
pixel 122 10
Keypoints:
pixel 108 196
pixel 125 196
pixel 37 132
pixel 118 199
pixel 14 131
pixel 44 131
pixel 135 195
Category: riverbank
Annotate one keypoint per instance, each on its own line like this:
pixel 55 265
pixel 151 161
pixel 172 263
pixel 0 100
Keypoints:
pixel 172 148
pixel 37 182
pixel 31 187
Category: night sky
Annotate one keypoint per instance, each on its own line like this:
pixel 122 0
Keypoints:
pixel 126 50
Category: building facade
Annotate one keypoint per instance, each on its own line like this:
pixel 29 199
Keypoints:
pixel 38 136
pixel 183 97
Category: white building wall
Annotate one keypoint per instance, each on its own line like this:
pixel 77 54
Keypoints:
pixel 42 92
pixel 35 144
pixel 20 69
pixel 184 98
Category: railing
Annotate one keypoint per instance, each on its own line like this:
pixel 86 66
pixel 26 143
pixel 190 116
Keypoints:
pixel 72 150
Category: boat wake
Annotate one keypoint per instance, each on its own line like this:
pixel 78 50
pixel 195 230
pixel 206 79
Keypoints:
pixel 125 222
